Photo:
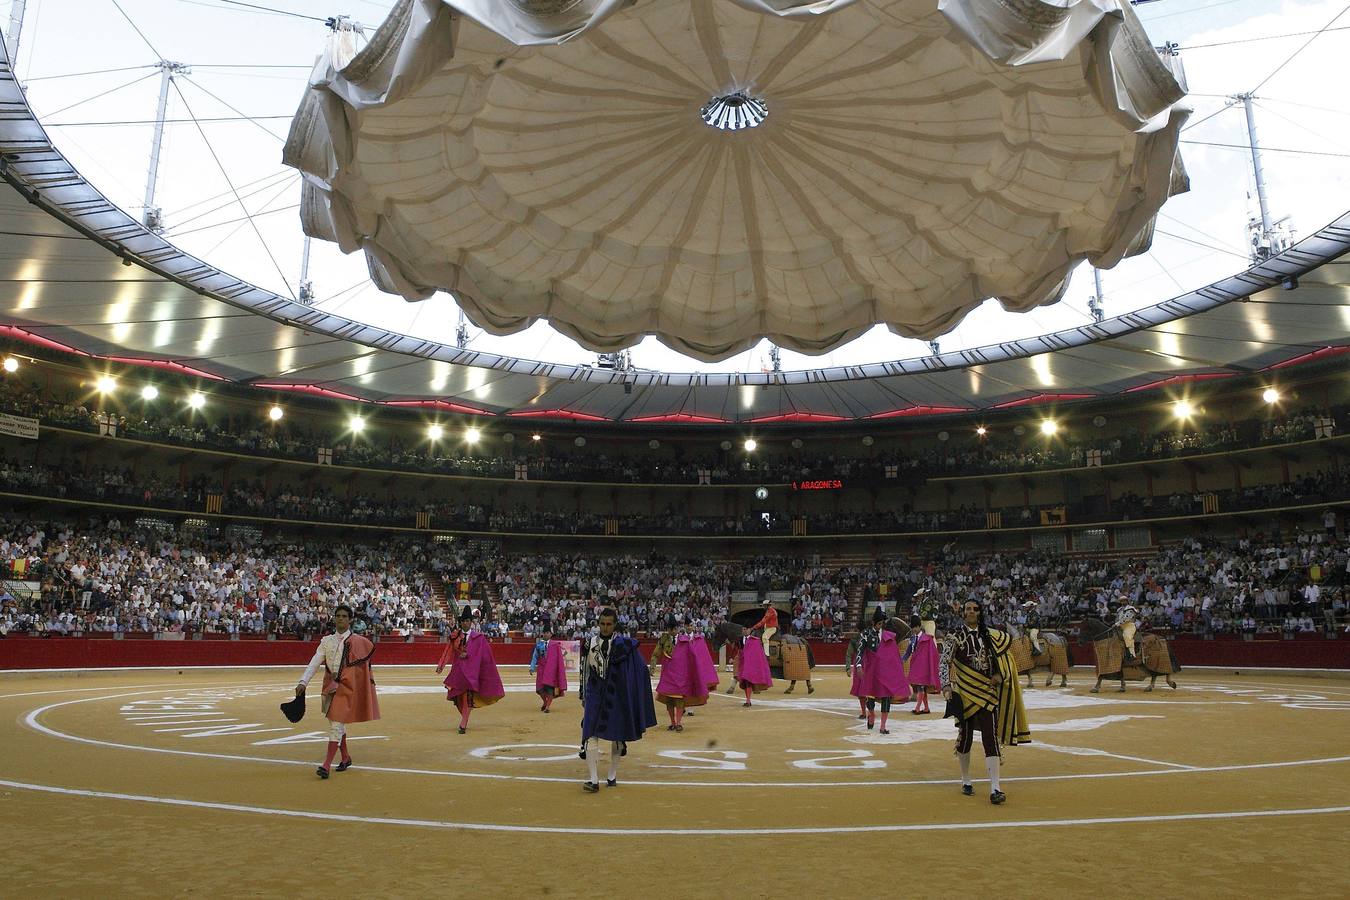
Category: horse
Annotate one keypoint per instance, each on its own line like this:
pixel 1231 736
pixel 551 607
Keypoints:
pixel 1155 656
pixel 1055 656
pixel 790 657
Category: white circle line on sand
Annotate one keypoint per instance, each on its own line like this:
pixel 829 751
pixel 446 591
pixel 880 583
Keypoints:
pixel 31 720
pixel 666 832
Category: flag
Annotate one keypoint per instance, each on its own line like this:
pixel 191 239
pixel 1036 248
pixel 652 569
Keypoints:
pixel 892 470
pixel 705 476
pixel 1324 426
pixel 1210 503
pixel 522 471
pixel 214 502
pixel 611 526
pixel 462 589
pixel 799 526
pixel 1054 516
pixel 424 520
pixel 20 567
pixel 993 519
pixel 325 456
pixel 1094 458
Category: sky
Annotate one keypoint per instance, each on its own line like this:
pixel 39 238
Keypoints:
pixel 253 63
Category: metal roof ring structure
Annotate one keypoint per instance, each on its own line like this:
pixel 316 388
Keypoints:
pixel 63 284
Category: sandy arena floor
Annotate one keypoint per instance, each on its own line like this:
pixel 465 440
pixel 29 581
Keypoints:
pixel 168 783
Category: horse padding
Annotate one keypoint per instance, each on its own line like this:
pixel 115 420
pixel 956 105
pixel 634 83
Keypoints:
pixel 1021 654
pixel 1110 653
pixel 1056 657
pixel 792 658
pixel 1156 655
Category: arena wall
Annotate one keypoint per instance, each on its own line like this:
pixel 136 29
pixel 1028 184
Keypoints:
pixel 1303 652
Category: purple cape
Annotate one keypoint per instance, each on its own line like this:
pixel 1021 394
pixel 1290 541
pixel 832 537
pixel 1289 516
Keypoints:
pixel 618 706
pixel 883 673
pixel 680 675
pixel 707 669
pixel 923 663
pixel 753 666
pixel 552 672
pixel 476 673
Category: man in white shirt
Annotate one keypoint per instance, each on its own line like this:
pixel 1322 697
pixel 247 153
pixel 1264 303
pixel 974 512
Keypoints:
pixel 348 689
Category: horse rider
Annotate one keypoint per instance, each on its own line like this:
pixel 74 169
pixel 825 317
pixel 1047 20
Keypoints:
pixel 1127 620
pixel 1032 611
pixel 769 622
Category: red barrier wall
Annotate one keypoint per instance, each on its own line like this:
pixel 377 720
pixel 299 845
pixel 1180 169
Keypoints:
pixel 1304 652
pixel 104 652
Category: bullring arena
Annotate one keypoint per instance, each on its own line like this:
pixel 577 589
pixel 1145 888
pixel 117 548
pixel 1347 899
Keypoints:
pixel 674 448
pixel 1199 782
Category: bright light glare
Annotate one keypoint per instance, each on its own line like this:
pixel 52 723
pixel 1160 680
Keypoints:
pixel 196 400
pixel 275 414
pixel 1049 426
pixel 1183 409
pixel 750 445
pixel 1270 395
pixel 434 432
pixel 472 435
pixel 149 392
pixel 106 384
pixel 11 364
pixel 536 437
pixel 357 423
pixel 981 431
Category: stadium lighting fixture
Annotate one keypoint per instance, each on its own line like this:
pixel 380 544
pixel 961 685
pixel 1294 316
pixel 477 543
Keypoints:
pixel 981 431
pixel 1270 395
pixel 149 392
pixel 11 364
pixel 106 384
pixel 1049 427
pixel 472 435
pixel 750 445
pixel 536 437
pixel 1183 409
pixel 196 400
pixel 275 414
pixel 434 432
pixel 357 423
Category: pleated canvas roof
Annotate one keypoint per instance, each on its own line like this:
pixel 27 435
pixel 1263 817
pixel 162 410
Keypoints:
pixel 717 171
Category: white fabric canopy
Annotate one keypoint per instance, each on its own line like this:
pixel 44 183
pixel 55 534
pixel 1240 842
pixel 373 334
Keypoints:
pixel 547 159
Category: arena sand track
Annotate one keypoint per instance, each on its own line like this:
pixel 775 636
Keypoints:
pixel 161 783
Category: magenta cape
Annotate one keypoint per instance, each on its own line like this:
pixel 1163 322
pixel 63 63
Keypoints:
pixel 707 669
pixel 923 663
pixel 475 673
pixel 752 666
pixel 856 688
pixel 680 676
pixel 883 673
pixel 552 672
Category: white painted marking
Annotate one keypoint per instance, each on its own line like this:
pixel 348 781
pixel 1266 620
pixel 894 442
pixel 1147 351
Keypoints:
pixel 1093 751
pixel 315 737
pixel 488 752
pixel 719 760
pixel 838 759
pixel 661 832
pixel 31 721
pixel 188 725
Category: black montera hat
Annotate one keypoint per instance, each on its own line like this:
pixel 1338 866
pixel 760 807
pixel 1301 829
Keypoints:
pixel 879 615
pixel 294 710
pixel 465 613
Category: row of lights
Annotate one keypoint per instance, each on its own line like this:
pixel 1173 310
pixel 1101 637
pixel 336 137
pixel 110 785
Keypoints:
pixel 106 384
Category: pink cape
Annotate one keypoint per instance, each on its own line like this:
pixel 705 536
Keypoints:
pixel 680 677
pixel 707 669
pixel 856 688
pixel 353 695
pixel 552 672
pixel 923 662
pixel 752 666
pixel 475 673
pixel 883 672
